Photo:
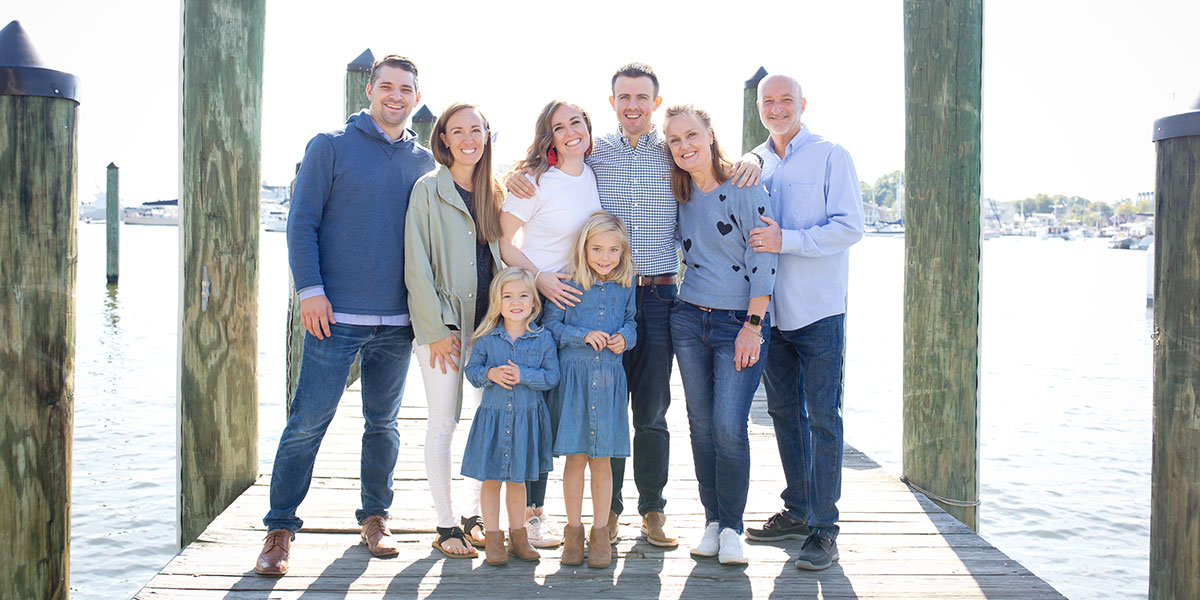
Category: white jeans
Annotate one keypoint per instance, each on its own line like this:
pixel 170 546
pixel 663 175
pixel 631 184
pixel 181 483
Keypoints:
pixel 441 394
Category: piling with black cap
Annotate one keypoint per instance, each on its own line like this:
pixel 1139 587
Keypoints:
pixel 753 132
pixel 1175 475
pixel 422 123
pixel 220 187
pixel 38 213
pixel 358 75
pixel 112 219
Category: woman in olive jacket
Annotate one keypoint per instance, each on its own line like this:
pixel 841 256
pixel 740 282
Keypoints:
pixel 450 256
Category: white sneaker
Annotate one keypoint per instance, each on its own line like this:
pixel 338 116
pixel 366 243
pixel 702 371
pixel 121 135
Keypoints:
pixel 731 548
pixel 542 532
pixel 709 544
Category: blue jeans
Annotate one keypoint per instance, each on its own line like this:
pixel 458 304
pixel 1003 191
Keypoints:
pixel 323 369
pixel 718 403
pixel 648 373
pixel 804 398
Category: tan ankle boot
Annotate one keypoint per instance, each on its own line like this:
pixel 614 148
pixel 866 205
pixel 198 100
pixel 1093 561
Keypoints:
pixel 519 546
pixel 493 548
pixel 599 548
pixel 572 553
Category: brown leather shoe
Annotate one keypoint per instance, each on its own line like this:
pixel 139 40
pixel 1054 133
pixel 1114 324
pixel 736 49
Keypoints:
pixel 613 525
pixel 572 552
pixel 654 525
pixel 378 539
pixel 519 546
pixel 274 558
pixel 493 548
pixel 599 548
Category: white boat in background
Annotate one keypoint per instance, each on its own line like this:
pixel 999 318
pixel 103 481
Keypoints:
pixel 273 217
pixel 163 212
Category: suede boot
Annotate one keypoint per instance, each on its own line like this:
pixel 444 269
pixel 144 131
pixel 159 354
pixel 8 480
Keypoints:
pixel 599 548
pixel 493 548
pixel 519 546
pixel 572 552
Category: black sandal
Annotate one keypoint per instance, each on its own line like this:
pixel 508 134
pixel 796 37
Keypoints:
pixel 445 534
pixel 475 531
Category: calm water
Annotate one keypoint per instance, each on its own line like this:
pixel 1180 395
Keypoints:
pixel 1066 394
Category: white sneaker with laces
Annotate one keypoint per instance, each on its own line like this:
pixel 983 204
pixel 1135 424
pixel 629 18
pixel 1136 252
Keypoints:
pixel 731 548
pixel 542 532
pixel 709 544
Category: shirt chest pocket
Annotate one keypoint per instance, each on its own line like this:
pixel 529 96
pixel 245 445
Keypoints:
pixel 802 205
pixel 527 356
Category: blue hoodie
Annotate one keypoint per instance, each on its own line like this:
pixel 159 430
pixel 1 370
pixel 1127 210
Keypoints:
pixel 346 226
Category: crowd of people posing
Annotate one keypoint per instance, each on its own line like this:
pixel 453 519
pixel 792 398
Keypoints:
pixel 557 295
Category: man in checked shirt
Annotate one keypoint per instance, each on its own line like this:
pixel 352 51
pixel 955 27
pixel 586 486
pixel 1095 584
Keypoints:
pixel 632 168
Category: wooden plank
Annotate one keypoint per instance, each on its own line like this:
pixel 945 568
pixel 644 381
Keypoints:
pixel 1175 475
pixel 38 252
pixel 943 54
pixel 112 222
pixel 219 222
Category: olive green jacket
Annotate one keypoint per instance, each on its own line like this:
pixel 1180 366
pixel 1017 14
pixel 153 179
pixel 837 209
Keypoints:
pixel 439 263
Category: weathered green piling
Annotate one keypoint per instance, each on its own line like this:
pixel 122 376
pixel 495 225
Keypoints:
pixel 1175 475
pixel 358 75
pixel 38 213
pixel 219 222
pixel 112 220
pixel 753 132
pixel 422 124
pixel 943 52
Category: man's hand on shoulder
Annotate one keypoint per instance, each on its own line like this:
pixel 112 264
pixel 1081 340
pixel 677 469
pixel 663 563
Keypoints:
pixel 519 185
pixel 316 314
pixel 747 171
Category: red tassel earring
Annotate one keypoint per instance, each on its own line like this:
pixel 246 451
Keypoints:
pixel 552 156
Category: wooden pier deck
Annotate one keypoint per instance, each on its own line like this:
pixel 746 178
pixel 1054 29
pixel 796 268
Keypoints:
pixel 893 543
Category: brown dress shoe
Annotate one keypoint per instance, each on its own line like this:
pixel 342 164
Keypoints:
pixel 493 548
pixel 274 557
pixel 519 546
pixel 654 525
pixel 378 539
pixel 572 552
pixel 599 548
pixel 613 525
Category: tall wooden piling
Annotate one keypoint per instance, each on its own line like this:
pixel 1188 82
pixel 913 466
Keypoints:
pixel 219 220
pixel 112 219
pixel 38 212
pixel 358 75
pixel 753 132
pixel 1175 475
pixel 943 52
pixel 422 124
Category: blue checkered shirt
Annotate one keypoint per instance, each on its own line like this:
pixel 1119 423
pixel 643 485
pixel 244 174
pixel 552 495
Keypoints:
pixel 635 186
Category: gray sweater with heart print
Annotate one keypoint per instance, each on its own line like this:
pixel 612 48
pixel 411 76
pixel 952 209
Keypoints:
pixel 722 270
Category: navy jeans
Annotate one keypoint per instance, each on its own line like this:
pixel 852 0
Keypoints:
pixel 718 403
pixel 804 398
pixel 323 369
pixel 648 373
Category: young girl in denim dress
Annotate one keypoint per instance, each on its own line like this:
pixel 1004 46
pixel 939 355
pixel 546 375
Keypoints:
pixel 515 362
pixel 589 408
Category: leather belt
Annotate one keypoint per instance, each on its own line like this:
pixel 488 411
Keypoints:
pixel 668 279
pixel 705 308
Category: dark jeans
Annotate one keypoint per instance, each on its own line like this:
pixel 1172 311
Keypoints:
pixel 718 400
pixel 648 372
pixel 323 369
pixel 804 398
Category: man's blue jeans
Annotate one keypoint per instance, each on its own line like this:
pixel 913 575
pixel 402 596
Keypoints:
pixel 804 398
pixel 323 369
pixel 648 373
pixel 718 402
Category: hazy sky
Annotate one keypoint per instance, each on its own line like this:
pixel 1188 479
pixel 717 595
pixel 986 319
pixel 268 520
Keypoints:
pixel 1071 88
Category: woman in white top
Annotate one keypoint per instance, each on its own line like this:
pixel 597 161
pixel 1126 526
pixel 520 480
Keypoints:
pixel 537 234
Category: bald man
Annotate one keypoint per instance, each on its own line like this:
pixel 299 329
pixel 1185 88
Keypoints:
pixel 816 198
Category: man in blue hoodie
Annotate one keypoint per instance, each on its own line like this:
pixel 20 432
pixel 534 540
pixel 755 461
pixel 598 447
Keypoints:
pixel 346 251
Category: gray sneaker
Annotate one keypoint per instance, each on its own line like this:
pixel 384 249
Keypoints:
pixel 781 526
pixel 819 551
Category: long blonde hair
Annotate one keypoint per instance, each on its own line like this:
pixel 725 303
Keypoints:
pixel 488 193
pixel 492 319
pixel 543 140
pixel 578 268
pixel 681 181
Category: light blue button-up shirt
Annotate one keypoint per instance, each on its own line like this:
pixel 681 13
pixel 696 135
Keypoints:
pixel 818 204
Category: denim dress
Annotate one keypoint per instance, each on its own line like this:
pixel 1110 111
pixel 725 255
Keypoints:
pixel 589 410
pixel 510 434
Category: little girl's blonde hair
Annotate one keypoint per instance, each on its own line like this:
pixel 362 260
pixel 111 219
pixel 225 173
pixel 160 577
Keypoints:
pixel 493 318
pixel 580 272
